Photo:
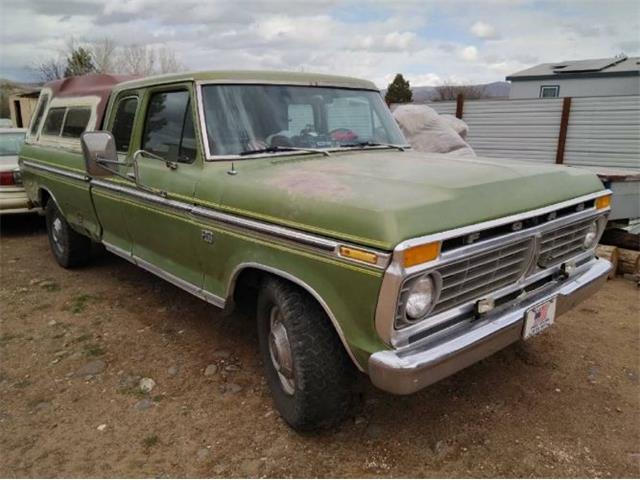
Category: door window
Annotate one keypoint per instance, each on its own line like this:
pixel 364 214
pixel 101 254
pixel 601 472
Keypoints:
pixel 169 131
pixel 123 123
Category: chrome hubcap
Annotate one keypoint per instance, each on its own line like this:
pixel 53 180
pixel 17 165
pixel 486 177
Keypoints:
pixel 280 351
pixel 56 233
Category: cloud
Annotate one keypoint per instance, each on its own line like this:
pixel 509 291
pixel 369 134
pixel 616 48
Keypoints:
pixel 424 80
pixel 428 41
pixel 483 30
pixel 469 53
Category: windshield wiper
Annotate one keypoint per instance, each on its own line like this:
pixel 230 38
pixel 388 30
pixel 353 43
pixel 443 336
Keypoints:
pixel 276 149
pixel 373 144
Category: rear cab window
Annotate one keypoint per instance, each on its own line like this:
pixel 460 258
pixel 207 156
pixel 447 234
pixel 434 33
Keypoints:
pixel 76 122
pixel 67 122
pixel 53 123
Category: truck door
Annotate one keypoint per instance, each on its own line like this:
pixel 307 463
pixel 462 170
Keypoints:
pixel 165 238
pixel 113 208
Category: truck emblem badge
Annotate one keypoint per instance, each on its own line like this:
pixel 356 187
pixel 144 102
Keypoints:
pixel 516 226
pixel 552 216
pixel 207 236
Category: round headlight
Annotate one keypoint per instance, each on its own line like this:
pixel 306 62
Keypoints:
pixel 591 237
pixel 420 297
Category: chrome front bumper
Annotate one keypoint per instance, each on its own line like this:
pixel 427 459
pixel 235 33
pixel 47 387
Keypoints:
pixel 408 369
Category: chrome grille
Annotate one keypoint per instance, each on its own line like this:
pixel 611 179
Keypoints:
pixel 563 243
pixel 481 274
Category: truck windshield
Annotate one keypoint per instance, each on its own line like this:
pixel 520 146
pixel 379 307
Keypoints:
pixel 10 143
pixel 241 119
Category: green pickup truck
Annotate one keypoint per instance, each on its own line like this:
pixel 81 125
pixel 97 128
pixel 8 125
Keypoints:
pixel 297 196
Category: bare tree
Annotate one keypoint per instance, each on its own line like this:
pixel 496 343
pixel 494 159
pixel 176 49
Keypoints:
pixel 54 68
pixel 104 55
pixel 450 91
pixel 51 69
pixel 145 60
pixel 167 61
pixel 137 60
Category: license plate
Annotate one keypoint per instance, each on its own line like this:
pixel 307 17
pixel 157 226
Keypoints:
pixel 539 318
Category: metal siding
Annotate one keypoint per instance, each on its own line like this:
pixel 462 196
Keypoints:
pixel 602 131
pixel 448 108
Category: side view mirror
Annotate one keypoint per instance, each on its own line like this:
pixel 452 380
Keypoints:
pixel 100 156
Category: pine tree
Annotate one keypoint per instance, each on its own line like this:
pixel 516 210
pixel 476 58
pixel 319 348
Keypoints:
pixel 398 91
pixel 79 62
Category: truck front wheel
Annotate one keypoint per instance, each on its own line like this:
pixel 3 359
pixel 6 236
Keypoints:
pixel 69 248
pixel 307 368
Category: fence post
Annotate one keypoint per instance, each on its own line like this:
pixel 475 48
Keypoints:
pixel 564 124
pixel 459 105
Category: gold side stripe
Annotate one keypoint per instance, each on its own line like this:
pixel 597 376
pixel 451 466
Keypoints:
pixel 246 213
pixel 55 165
pixel 244 237
pixel 290 223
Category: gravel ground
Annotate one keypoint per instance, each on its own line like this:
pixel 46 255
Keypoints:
pixel 109 371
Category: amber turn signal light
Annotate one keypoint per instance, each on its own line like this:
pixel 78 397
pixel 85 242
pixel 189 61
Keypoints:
pixel 421 254
pixel 357 254
pixel 603 202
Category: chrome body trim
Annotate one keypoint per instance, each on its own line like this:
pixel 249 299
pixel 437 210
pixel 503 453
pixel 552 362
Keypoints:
pixel 325 245
pixel 456 232
pixel 243 266
pixel 396 274
pixel 169 277
pixel 283 232
pixel 406 370
pixel 57 171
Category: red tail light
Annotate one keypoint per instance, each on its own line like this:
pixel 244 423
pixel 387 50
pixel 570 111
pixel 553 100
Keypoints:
pixel 7 178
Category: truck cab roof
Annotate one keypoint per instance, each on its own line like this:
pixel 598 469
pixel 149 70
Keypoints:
pixel 252 76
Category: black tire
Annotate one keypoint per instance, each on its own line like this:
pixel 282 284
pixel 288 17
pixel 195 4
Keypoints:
pixel 69 248
pixel 323 373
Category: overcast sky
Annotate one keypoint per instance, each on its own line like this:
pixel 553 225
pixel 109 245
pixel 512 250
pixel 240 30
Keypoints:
pixel 428 41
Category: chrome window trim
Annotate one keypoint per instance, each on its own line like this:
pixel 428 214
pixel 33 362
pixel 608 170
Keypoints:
pixel 396 274
pixel 205 134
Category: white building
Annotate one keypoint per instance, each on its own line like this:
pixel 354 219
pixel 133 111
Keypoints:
pixel 578 78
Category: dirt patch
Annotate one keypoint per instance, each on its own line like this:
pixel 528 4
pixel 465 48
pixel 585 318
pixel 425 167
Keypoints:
pixel 78 347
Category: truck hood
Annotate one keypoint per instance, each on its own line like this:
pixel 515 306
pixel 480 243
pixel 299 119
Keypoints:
pixel 379 198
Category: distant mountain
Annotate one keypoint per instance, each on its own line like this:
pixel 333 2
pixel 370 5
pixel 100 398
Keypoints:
pixel 498 89
pixel 492 90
